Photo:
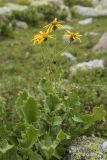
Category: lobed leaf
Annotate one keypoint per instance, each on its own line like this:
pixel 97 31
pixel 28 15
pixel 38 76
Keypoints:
pixel 30 110
pixel 5 146
pixel 22 96
pixel 30 137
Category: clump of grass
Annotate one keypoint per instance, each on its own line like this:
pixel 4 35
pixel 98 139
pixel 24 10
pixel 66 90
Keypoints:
pixel 20 2
pixel 71 3
pixel 6 26
pixel 1 4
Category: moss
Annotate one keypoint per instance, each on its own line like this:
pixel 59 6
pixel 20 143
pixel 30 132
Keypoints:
pixel 89 148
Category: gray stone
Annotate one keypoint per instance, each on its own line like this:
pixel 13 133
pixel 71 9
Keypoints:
pixel 86 148
pixel 100 4
pixel 21 24
pixel 90 11
pixel 72 149
pixel 90 65
pixel 66 27
pixel 16 7
pixel 91 33
pixel 105 146
pixel 86 21
pixel 85 11
pixel 7 10
pixel 102 44
pixel 69 56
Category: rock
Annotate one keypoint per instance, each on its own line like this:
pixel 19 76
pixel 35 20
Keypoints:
pixel 101 4
pixel 69 55
pixel 72 149
pixel 21 24
pixel 105 146
pixel 102 44
pixel 87 148
pixel 86 21
pixel 16 7
pixel 85 11
pixel 66 27
pixel 89 65
pixel 89 11
pixel 91 33
pixel 7 10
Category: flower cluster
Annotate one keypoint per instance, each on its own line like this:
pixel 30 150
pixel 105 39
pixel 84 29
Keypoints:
pixel 42 36
pixel 73 36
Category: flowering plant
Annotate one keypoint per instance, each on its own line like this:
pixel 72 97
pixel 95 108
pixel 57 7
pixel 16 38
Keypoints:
pixel 48 118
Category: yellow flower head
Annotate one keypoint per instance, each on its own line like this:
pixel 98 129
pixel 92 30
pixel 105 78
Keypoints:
pixel 54 25
pixel 41 37
pixel 73 36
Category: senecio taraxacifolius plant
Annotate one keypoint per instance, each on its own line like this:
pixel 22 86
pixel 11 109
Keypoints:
pixel 46 121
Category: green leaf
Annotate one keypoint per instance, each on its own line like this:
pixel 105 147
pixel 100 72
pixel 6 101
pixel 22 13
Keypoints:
pixel 5 146
pixel 52 101
pixel 46 87
pixel 22 96
pixel 2 106
pixel 62 136
pixel 56 121
pixel 77 119
pixel 99 114
pixel 11 154
pixel 30 137
pixel 35 156
pixel 50 150
pixel 31 110
pixel 49 147
pixel 87 118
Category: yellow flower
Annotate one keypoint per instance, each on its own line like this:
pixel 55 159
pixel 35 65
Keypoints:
pixel 54 25
pixel 73 35
pixel 41 37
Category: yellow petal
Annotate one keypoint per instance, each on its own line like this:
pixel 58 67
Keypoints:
pixel 67 35
pixel 51 37
pixel 46 26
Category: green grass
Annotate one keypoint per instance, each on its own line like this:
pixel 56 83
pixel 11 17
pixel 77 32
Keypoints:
pixel 21 63
pixel 20 2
